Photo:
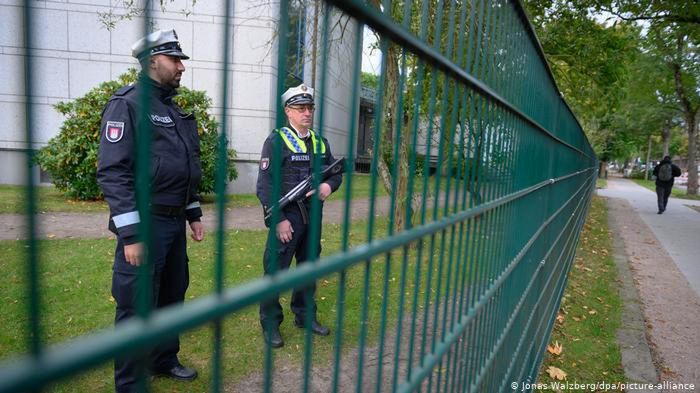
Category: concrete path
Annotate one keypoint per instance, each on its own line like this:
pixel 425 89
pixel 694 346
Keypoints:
pixel 94 225
pixel 678 229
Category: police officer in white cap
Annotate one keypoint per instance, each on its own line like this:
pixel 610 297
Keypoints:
pixel 176 172
pixel 293 148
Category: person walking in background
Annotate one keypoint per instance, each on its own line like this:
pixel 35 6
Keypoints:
pixel 176 172
pixel 664 174
pixel 297 144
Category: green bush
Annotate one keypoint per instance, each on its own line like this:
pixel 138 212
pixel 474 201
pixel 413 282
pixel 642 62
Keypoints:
pixel 638 173
pixel 71 157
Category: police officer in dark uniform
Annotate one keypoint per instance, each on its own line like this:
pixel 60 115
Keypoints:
pixel 175 171
pixel 297 144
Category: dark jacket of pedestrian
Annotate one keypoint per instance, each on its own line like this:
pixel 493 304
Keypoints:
pixel 664 174
pixel 674 169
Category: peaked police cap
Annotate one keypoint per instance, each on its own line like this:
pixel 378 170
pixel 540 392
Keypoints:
pixel 160 42
pixel 300 95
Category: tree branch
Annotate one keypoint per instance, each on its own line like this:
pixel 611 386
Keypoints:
pixel 693 19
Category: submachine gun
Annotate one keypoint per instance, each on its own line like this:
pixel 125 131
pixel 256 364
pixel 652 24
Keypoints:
pixel 298 193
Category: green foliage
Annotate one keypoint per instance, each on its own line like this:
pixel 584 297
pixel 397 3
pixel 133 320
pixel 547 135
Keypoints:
pixel 199 103
pixel 369 80
pixel 659 64
pixel 71 156
pixel 638 173
pixel 592 65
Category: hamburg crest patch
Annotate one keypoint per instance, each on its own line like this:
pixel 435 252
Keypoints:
pixel 264 164
pixel 114 131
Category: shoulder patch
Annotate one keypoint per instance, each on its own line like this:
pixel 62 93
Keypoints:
pixel 264 164
pixel 114 131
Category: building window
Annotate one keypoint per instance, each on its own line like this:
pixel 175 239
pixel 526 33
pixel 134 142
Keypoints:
pixel 296 39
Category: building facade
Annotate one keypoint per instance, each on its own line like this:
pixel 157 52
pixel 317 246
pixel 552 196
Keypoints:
pixel 74 51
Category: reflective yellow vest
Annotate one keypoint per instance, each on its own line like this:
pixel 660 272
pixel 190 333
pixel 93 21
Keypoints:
pixel 297 145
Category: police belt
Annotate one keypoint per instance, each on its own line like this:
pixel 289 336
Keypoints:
pixel 168 211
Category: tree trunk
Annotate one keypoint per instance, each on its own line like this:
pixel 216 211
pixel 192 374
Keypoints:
pixel 391 114
pixel 692 155
pixel 646 168
pixel 691 116
pixel 601 170
pixel 666 138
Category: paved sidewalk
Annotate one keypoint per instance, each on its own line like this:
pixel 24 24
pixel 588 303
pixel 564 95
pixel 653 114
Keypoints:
pixel 657 255
pixel 678 229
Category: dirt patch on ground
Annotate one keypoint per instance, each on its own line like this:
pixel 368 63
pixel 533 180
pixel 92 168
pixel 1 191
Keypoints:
pixel 288 378
pixel 94 225
pixel 671 307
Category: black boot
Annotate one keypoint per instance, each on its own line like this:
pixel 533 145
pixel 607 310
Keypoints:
pixel 179 372
pixel 273 337
pixel 316 327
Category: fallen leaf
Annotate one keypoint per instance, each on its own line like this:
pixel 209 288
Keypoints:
pixel 587 269
pixel 555 349
pixel 593 312
pixel 51 236
pixel 576 319
pixel 560 318
pixel 556 373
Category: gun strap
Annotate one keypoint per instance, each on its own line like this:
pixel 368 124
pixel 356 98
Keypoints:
pixel 304 213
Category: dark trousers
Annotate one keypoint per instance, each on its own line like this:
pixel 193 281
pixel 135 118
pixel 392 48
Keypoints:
pixel 271 310
pixel 170 278
pixel 663 191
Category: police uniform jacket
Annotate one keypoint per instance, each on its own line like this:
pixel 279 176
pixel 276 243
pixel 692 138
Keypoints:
pixel 175 163
pixel 296 164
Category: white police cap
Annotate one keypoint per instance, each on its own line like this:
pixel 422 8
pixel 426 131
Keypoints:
pixel 160 42
pixel 300 95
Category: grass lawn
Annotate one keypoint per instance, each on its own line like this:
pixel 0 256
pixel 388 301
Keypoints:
pixel 601 183
pixel 590 311
pixel 75 291
pixel 75 280
pixel 675 192
pixel 49 199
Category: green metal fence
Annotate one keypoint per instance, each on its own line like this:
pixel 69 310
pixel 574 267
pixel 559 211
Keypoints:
pixel 461 282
